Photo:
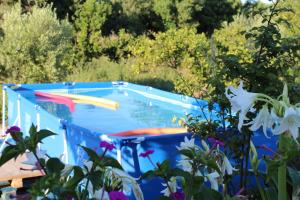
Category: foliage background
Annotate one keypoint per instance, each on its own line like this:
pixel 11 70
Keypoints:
pixel 186 46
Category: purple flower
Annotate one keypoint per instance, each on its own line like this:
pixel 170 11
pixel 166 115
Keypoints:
pixel 69 197
pixel 13 129
pixel 146 153
pixel 107 145
pixel 116 195
pixel 215 142
pixel 177 196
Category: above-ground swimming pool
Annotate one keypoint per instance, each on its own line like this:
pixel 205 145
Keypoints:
pixel 142 119
pixel 135 118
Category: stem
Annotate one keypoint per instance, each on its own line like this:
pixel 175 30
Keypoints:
pixel 247 157
pixel 169 188
pixel 92 169
pixel 103 189
pixel 38 160
pixel 242 165
pixel 282 193
pixel 151 161
pixel 262 194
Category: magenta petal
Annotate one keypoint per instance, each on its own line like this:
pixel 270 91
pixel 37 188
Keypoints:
pixel 107 145
pixel 146 153
pixel 215 141
pixel 177 196
pixel 116 195
pixel 13 129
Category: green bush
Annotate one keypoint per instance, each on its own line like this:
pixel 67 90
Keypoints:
pixel 35 47
pixel 115 46
pixel 100 69
pixel 104 69
pixel 182 50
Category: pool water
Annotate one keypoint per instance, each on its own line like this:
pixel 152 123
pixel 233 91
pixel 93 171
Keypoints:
pixel 135 111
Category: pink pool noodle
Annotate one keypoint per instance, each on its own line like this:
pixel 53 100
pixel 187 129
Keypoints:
pixel 57 99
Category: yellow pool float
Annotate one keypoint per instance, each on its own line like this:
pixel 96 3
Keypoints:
pixel 97 101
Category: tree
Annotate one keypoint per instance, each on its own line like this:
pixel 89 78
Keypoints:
pixel 183 50
pixel 89 21
pixel 260 56
pixel 35 47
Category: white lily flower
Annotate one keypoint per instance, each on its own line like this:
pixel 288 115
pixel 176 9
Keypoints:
pixel 264 119
pixel 128 181
pixel 227 167
pixel 205 146
pixel 290 122
pixel 173 186
pixel 185 164
pixel 213 179
pixel 241 101
pixel 187 144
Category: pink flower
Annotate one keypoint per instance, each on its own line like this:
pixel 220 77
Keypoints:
pixel 146 154
pixel 13 129
pixel 177 196
pixel 107 145
pixel 116 195
pixel 215 142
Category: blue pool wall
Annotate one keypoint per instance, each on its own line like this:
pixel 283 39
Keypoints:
pixel 23 113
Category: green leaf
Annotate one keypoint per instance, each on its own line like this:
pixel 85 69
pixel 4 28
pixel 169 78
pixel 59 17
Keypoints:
pixel 8 153
pixel 164 166
pixel 186 152
pixel 42 134
pixel 33 129
pixel 211 163
pixel 17 136
pixel 76 178
pixel 96 179
pixel 54 165
pixel 272 167
pixel 108 161
pixel 164 198
pixel 179 172
pixel 147 175
pixel 271 193
pixel 91 153
pixel 208 194
pixel 295 177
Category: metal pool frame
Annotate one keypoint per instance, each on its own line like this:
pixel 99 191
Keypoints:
pixel 23 113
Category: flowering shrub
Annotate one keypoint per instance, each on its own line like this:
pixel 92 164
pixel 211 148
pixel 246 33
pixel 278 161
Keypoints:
pixel 100 177
pixel 199 167
pixel 283 119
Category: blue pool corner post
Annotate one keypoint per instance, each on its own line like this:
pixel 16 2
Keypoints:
pixel 38 121
pixel 38 118
pixel 65 142
pixel 119 152
pixel 19 111
pixel 3 108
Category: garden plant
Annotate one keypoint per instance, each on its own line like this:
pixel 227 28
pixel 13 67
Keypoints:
pixel 235 55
